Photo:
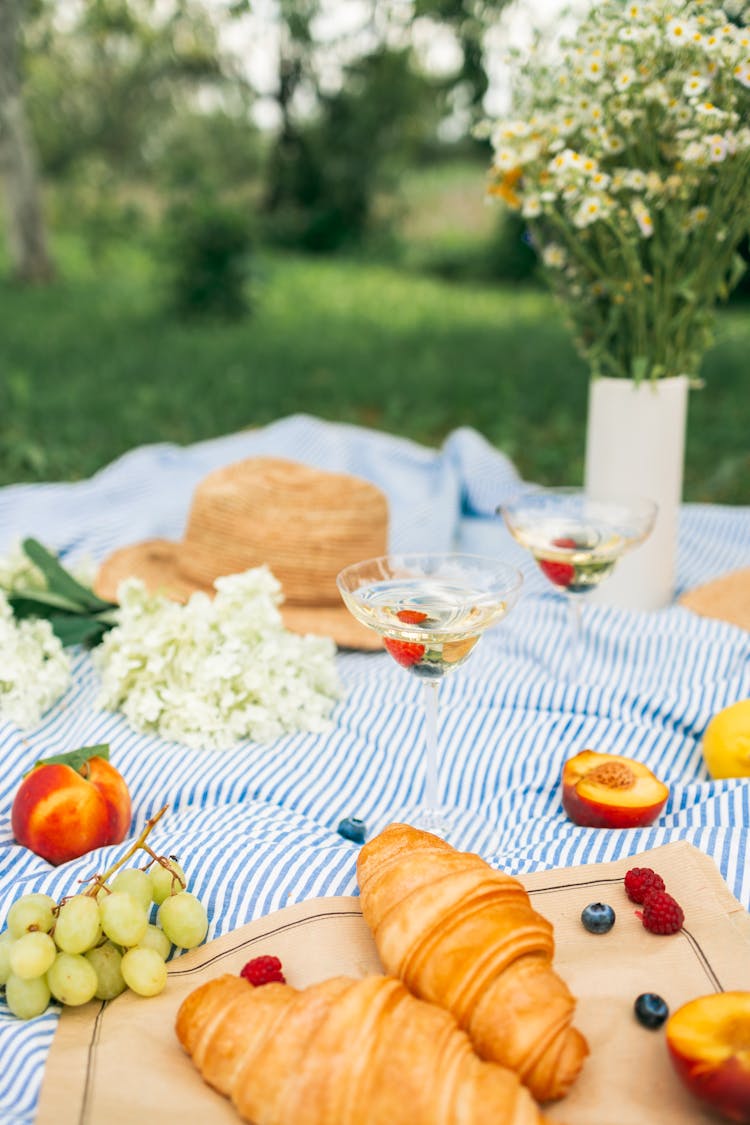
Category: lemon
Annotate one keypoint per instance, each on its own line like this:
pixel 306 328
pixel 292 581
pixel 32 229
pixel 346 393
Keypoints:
pixel 726 743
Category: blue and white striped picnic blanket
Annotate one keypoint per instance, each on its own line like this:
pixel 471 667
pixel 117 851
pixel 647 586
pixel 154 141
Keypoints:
pixel 256 827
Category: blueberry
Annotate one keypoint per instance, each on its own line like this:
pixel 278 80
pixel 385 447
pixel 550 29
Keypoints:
pixel 353 829
pixel 598 918
pixel 650 1010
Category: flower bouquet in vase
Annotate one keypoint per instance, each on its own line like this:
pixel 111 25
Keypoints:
pixel 628 155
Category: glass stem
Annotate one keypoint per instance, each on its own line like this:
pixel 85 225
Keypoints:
pixel 430 694
pixel 576 629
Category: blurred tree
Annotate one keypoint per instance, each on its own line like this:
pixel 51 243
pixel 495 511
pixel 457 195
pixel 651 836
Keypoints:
pixel 470 21
pixel 327 172
pixel 27 239
pixel 109 80
pixel 336 149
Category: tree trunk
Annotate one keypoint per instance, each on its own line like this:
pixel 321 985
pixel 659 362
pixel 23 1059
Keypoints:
pixel 27 240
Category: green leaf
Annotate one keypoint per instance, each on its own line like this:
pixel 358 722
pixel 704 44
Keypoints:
pixel 40 603
pixel 60 581
pixel 77 630
pixel 77 758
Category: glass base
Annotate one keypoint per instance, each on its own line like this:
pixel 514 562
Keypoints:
pixel 429 820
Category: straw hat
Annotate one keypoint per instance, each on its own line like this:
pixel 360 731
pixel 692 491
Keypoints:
pixel 304 523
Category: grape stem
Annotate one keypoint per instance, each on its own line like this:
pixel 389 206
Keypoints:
pixel 99 881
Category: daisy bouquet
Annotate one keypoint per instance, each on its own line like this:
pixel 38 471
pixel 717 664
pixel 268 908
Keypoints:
pixel 628 154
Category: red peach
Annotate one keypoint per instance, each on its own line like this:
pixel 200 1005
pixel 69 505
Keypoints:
pixel 60 814
pixel 611 791
pixel 709 1044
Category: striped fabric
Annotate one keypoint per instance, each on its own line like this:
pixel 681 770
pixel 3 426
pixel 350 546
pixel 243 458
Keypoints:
pixel 256 827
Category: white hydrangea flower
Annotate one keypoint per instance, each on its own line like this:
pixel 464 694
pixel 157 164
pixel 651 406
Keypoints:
pixel 34 668
pixel 17 570
pixel 215 671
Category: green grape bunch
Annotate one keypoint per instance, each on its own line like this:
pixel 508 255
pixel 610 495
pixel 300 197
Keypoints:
pixel 95 944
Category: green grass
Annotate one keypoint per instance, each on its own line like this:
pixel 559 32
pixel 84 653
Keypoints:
pixel 93 366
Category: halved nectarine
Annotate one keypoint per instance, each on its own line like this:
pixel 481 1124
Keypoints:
pixel 611 791
pixel 709 1044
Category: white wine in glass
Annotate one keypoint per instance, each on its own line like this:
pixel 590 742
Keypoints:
pixel 431 610
pixel 577 539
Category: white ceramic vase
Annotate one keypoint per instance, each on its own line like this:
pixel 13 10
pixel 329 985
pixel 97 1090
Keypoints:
pixel 635 445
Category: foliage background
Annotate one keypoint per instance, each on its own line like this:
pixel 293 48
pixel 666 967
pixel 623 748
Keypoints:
pixel 228 250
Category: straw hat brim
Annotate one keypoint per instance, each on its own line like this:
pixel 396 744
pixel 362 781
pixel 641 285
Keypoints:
pixel 156 563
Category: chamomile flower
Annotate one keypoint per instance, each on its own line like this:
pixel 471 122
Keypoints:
pixel 679 32
pixel 642 216
pixel 717 148
pixel 695 85
pixel 506 158
pixel 594 68
pixel 554 256
pixel 636 179
pixel 592 209
pixel 643 129
pixel 625 78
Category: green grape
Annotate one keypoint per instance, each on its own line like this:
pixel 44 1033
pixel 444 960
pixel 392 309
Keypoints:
pixel 123 919
pixel 165 881
pixel 31 912
pixel 31 955
pixel 27 998
pixel 106 960
pixel 72 979
pixel 6 943
pixel 156 939
pixel 183 919
pixel 77 927
pixel 134 882
pixel 144 971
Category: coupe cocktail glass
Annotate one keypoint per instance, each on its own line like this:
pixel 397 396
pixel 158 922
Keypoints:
pixel 577 539
pixel 431 610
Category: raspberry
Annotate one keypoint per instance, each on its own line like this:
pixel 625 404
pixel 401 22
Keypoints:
pixel 640 881
pixel 263 970
pixel 561 573
pixel 405 653
pixel 411 616
pixel 661 913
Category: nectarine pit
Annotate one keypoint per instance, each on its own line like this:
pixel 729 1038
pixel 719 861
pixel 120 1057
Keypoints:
pixel 612 775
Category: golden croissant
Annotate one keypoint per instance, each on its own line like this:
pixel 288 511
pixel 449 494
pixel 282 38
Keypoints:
pixel 344 1052
pixel 460 934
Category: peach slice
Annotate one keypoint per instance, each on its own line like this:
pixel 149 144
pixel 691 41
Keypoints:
pixel 611 791
pixel 709 1044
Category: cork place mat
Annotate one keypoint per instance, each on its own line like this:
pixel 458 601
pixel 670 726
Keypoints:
pixel 120 1062
pixel 726 598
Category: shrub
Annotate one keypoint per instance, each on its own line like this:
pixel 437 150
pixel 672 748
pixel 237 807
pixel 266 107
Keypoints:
pixel 208 247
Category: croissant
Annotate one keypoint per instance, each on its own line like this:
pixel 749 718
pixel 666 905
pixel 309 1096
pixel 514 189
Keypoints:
pixel 344 1052
pixel 460 934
